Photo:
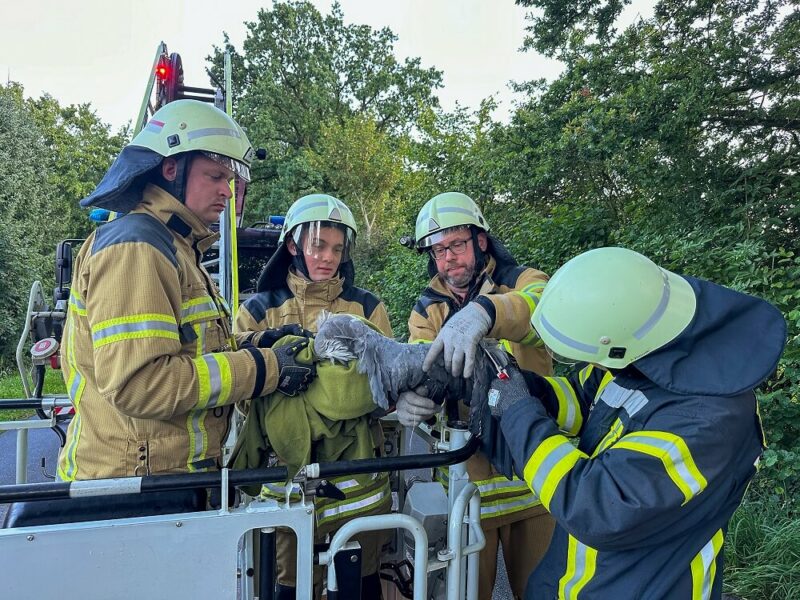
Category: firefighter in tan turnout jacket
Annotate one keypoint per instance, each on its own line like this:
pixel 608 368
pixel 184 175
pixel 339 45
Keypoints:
pixel 149 359
pixel 311 272
pixel 480 290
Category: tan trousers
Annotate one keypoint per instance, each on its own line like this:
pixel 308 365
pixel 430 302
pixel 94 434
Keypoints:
pixel 286 557
pixel 524 544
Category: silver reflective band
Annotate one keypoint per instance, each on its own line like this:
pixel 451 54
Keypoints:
pixel 206 131
pixel 657 313
pixel 568 340
pixel 105 487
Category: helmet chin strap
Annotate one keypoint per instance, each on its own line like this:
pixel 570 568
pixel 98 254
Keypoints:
pixel 299 263
pixel 177 187
pixel 480 255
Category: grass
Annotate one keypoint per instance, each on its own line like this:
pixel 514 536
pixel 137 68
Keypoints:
pixel 11 387
pixel 762 551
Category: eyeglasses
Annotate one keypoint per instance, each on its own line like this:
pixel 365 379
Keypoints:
pixel 457 247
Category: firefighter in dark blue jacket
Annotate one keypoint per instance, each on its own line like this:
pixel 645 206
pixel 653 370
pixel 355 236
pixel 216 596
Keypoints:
pixel 667 422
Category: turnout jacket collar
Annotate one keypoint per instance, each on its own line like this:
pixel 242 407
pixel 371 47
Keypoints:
pixel 304 290
pixel 732 345
pixel 166 208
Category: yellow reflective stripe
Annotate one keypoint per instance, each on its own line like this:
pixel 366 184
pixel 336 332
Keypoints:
pixel 200 331
pixel 147 325
pixel 272 490
pixel 504 486
pixel 531 293
pixel 507 506
pixel 214 383
pixel 673 452
pixel 214 380
pixel 197 309
pixel 76 384
pixel 531 339
pixel 489 485
pixel 352 506
pixel 584 374
pixel 569 418
pixel 198 437
pixel 346 483
pixel 581 565
pixel 76 304
pixel 548 465
pixel 607 378
pixel 70 459
pixel 704 567
pixel 612 436
pixel 517 496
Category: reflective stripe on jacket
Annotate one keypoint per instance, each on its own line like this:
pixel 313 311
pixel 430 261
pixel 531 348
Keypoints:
pixel 514 291
pixel 148 353
pixel 364 495
pixel 643 501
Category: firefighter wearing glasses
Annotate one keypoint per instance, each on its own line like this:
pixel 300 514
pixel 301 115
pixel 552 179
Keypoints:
pixel 478 288
pixel 149 359
pixel 312 271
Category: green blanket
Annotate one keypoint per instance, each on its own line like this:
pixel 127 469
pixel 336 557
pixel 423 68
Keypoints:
pixel 331 419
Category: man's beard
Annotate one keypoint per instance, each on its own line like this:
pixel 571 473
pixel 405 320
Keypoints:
pixel 460 282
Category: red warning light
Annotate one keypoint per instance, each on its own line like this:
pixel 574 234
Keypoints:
pixel 162 71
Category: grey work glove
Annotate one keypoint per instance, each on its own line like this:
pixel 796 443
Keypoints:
pixel 414 407
pixel 458 340
pixel 293 376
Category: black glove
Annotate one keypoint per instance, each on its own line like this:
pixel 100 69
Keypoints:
pixel 493 444
pixel 293 376
pixel 269 336
pixel 489 398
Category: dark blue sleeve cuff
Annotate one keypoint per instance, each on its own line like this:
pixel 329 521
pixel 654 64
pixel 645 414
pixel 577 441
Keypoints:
pixel 487 305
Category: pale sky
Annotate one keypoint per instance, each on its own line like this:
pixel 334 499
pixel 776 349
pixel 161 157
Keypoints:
pixel 101 51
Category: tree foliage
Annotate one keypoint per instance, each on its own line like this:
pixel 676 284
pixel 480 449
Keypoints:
pixel 363 165
pixel 646 127
pixel 26 198
pixel 52 157
pixel 298 70
pixel 79 150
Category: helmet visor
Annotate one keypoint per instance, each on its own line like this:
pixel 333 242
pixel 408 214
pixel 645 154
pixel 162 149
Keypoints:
pixel 435 238
pixel 560 358
pixel 241 170
pixel 324 241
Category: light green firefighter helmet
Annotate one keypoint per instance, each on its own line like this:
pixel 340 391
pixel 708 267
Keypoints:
pixel 317 208
pixel 442 212
pixel 611 307
pixel 191 125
